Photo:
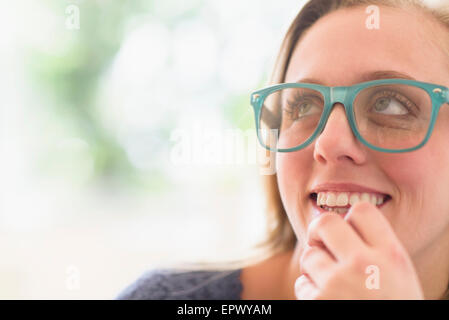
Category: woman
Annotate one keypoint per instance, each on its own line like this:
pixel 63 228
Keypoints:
pixel 395 245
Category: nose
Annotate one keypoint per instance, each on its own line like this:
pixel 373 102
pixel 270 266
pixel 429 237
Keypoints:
pixel 337 141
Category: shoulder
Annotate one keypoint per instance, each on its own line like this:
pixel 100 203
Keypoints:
pixel 171 284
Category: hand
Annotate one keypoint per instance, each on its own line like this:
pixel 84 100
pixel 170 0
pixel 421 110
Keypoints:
pixel 358 257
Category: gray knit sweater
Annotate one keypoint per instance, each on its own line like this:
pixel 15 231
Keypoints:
pixel 168 284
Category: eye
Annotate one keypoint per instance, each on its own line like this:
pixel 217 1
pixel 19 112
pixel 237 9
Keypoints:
pixel 302 107
pixel 392 103
pixel 383 104
pixel 301 104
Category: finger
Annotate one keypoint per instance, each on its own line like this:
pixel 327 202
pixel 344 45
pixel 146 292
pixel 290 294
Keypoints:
pixel 318 265
pixel 370 223
pixel 305 289
pixel 336 235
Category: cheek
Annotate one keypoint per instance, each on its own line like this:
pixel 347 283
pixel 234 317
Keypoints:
pixel 407 172
pixel 420 173
pixel 406 175
pixel 291 170
pixel 421 210
pixel 417 175
pixel 293 173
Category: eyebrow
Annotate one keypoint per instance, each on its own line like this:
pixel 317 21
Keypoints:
pixel 369 76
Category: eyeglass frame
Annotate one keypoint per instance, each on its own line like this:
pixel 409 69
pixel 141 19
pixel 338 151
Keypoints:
pixel 346 95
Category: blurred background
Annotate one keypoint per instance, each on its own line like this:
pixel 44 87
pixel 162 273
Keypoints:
pixel 127 138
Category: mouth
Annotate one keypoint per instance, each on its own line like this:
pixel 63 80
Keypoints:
pixel 341 210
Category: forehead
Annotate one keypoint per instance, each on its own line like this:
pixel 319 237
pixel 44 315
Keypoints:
pixel 340 48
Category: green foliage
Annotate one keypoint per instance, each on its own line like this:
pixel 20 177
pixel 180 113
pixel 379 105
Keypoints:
pixel 70 80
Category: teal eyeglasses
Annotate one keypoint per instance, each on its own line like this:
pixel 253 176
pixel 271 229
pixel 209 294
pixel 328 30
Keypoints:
pixel 388 115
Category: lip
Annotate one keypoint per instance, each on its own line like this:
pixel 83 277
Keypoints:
pixel 348 187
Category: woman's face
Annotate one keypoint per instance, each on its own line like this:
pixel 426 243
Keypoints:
pixel 338 51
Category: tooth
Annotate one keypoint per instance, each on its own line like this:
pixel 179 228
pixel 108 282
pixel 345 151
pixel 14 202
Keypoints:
pixel 341 210
pixel 354 199
pixel 337 210
pixel 365 197
pixel 380 200
pixel 321 197
pixel 342 199
pixel 331 199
